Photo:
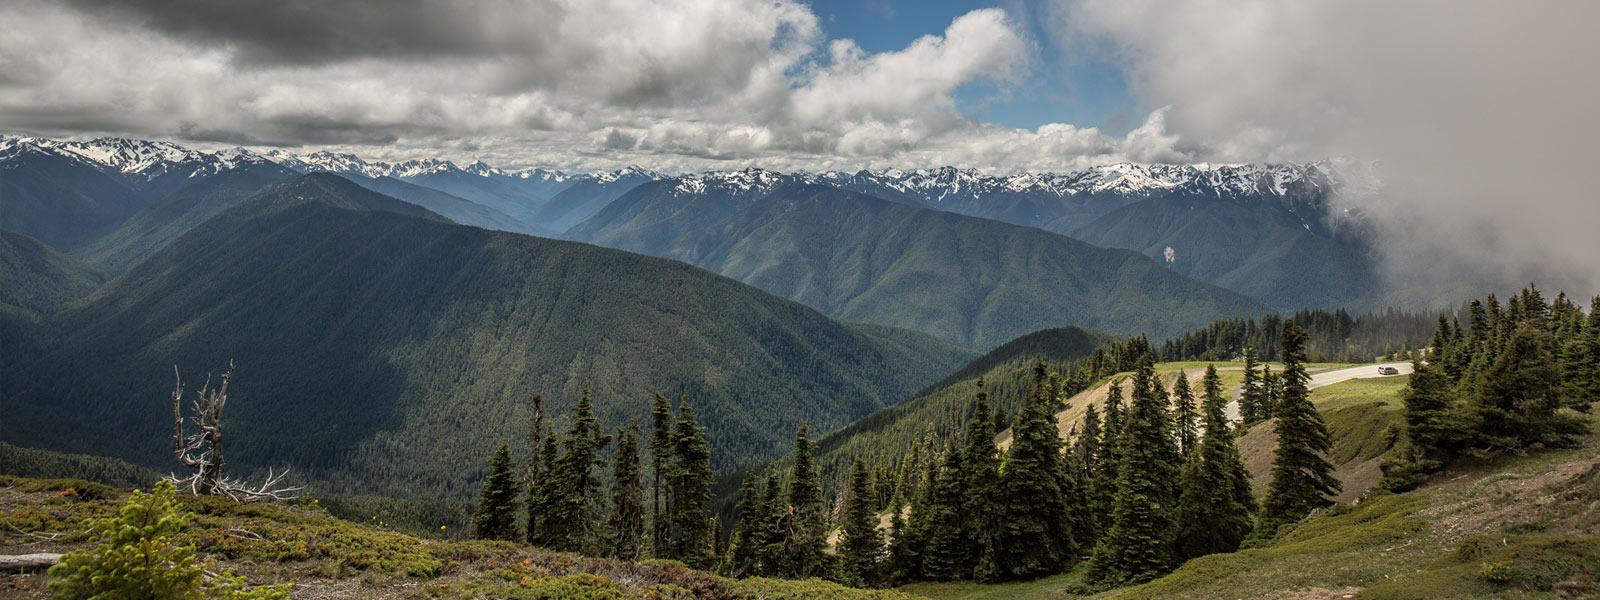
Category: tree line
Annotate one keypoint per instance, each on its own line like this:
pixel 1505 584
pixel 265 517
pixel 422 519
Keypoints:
pixel 1332 336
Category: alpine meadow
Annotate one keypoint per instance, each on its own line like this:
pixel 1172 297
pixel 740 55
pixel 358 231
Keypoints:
pixel 785 299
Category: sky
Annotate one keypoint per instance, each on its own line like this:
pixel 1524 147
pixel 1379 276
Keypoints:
pixel 1478 113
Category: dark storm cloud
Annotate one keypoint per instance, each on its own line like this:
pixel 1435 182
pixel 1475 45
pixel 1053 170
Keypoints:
pixel 310 32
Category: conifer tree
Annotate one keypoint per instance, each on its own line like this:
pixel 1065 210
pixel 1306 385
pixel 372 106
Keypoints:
pixel 1272 384
pixel 1088 453
pixel 1104 482
pixel 1252 394
pixel 1138 547
pixel 1184 416
pixel 806 523
pixel 981 508
pixel 902 554
pixel 743 551
pixel 1301 477
pixel 771 533
pixel 689 492
pixel 627 497
pixel 544 495
pixel 1035 539
pixel 496 517
pixel 136 559
pixel 535 472
pixel 859 542
pixel 660 461
pixel 1215 506
pixel 1517 396
pixel 575 524
pixel 945 550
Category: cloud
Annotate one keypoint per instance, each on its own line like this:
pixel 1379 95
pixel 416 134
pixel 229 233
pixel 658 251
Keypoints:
pixel 577 84
pixel 1480 114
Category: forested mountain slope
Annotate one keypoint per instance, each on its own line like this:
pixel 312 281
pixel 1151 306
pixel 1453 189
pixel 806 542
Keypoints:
pixel 970 281
pixel 386 352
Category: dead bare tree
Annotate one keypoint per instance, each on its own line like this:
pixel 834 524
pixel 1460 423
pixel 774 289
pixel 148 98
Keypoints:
pixel 202 451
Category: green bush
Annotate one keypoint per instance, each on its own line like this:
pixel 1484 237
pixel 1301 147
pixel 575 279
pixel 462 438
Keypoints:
pixel 136 559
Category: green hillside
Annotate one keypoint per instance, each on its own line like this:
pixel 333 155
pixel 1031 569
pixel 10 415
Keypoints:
pixel 302 544
pixel 149 229
pixel 1257 248
pixel 38 279
pixel 969 281
pixel 943 408
pixel 384 353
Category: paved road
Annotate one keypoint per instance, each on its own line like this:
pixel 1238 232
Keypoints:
pixel 1326 378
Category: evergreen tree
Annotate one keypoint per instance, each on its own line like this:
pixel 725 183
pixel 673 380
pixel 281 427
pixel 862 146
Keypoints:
pixel 743 548
pixel 627 497
pixel 1272 386
pixel 981 508
pixel 689 492
pixel 1252 394
pixel 771 527
pixel 806 525
pixel 945 550
pixel 1103 485
pixel 1215 506
pixel 575 524
pixel 1138 547
pixel 544 495
pixel 1035 539
pixel 660 461
pixel 1184 416
pixel 535 472
pixel 1088 452
pixel 496 517
pixel 1517 395
pixel 859 542
pixel 1301 477
pixel 903 555
pixel 136 559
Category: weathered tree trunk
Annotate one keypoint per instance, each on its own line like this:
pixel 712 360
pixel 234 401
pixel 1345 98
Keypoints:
pixel 24 562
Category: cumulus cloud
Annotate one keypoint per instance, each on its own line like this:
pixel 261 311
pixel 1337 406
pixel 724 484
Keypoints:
pixel 1480 114
pixel 575 84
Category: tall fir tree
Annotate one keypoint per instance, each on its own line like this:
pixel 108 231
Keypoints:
pixel 544 495
pixel 537 473
pixel 496 517
pixel 1252 393
pixel 1036 539
pixel 771 527
pixel 902 559
pixel 806 522
pixel 1138 547
pixel 1103 484
pixel 1088 452
pixel 1302 478
pixel 660 461
pixel 1272 384
pixel 627 497
pixel 860 545
pixel 1184 416
pixel 946 552
pixel 981 508
pixel 575 525
pixel 743 549
pixel 1215 507
pixel 689 481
